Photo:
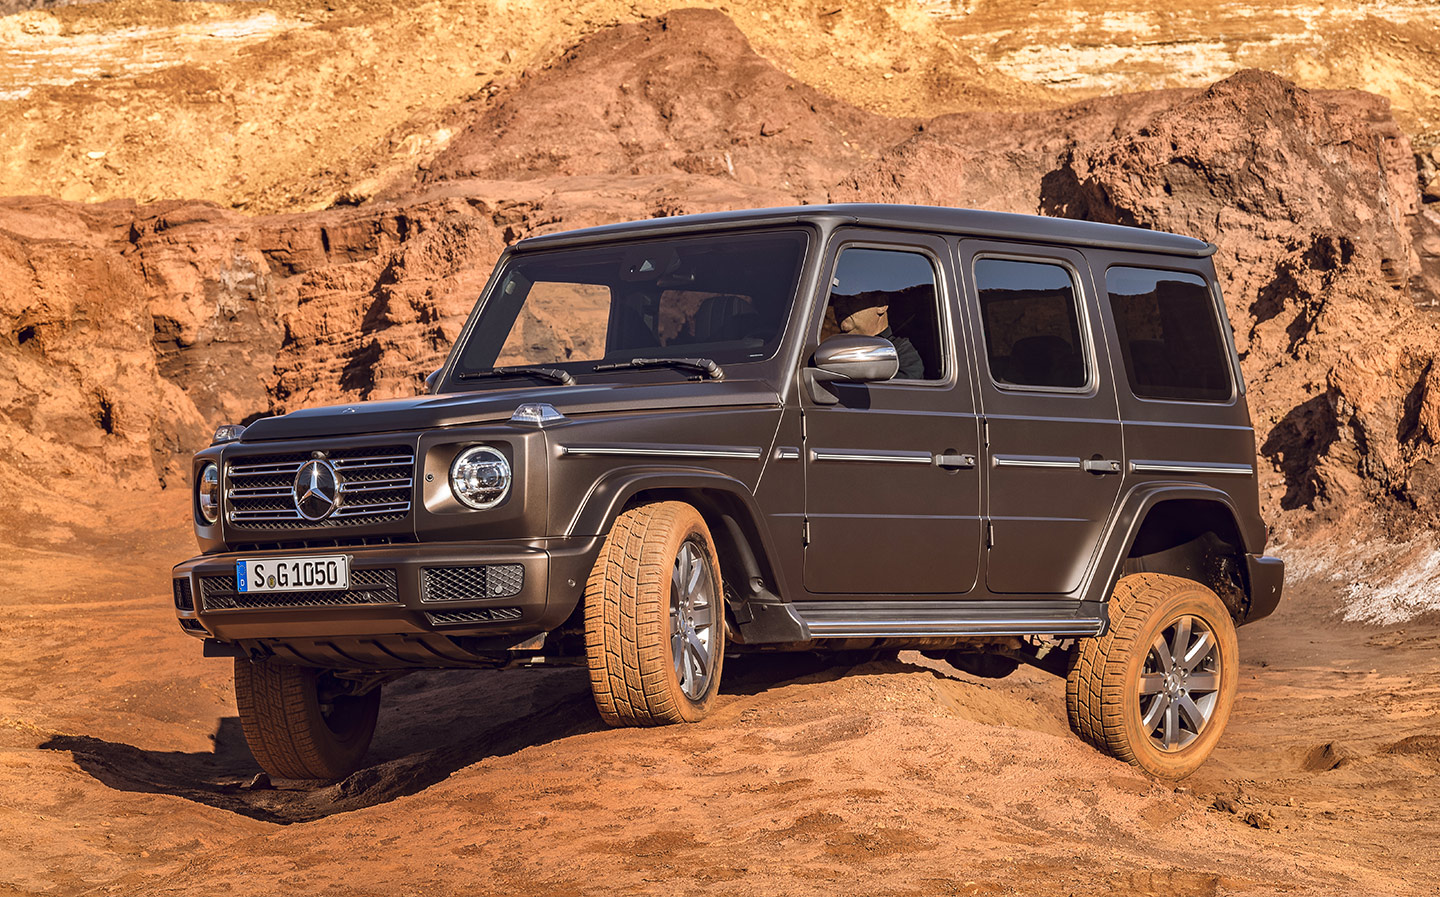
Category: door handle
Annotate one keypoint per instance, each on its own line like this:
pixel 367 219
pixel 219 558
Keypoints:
pixel 955 461
pixel 1101 465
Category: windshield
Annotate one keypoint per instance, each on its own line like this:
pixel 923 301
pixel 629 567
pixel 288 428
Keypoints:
pixel 724 298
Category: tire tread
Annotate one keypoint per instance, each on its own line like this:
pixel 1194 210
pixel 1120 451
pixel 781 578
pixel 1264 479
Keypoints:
pixel 626 609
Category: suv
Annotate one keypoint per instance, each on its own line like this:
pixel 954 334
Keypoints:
pixel 997 439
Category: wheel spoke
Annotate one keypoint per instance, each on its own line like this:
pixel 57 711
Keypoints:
pixel 696 662
pixel 1179 646
pixel 677 654
pixel 1204 682
pixel 677 581
pixel 1172 725
pixel 1192 712
pixel 1152 683
pixel 1161 652
pixel 697 570
pixel 1151 719
pixel 700 596
pixel 702 654
pixel 1198 651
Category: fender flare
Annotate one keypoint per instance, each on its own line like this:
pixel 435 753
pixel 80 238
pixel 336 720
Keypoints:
pixel 611 493
pixel 1130 517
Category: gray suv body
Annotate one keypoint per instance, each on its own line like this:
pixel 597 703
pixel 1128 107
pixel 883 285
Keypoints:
pixel 659 442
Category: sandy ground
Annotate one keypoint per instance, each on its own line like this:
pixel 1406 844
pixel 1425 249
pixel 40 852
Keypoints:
pixel 123 770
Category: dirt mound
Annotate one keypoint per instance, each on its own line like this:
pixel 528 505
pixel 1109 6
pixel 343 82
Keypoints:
pixel 681 94
pixel 1423 747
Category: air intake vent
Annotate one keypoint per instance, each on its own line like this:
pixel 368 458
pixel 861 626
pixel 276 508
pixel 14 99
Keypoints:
pixel 472 583
pixel 366 587
pixel 183 599
pixel 478 615
pixel 373 485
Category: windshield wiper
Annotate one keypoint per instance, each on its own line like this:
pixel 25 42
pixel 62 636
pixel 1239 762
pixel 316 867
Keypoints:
pixel 702 365
pixel 554 374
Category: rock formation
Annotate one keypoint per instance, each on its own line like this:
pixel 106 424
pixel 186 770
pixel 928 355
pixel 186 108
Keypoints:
pixel 127 331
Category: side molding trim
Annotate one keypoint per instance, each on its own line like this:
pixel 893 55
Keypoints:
pixel 657 451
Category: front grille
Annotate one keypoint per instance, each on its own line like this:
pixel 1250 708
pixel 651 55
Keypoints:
pixel 376 484
pixel 366 587
pixel 183 599
pixel 471 583
pixel 301 544
pixel 478 615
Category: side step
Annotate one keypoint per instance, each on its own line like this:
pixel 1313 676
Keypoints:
pixel 918 619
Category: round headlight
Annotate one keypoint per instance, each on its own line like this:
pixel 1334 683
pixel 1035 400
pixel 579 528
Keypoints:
pixel 480 477
pixel 207 491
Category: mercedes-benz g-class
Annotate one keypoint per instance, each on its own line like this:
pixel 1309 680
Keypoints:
pixel 998 439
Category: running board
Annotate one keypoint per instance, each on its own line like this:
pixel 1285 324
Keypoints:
pixel 921 619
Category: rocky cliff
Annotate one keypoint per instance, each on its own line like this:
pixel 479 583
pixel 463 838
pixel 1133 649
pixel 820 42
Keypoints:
pixel 126 330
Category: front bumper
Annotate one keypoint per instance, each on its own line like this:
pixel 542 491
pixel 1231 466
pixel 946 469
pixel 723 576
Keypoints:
pixel 424 604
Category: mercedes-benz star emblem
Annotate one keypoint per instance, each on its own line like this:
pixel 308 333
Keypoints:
pixel 317 490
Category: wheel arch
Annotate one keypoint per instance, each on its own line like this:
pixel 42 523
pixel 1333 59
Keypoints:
pixel 748 562
pixel 1188 530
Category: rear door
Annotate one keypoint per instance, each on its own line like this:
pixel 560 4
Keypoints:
pixel 892 494
pixel 1054 452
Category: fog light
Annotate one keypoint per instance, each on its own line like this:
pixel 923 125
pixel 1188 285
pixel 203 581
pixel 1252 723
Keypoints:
pixel 480 477
pixel 207 492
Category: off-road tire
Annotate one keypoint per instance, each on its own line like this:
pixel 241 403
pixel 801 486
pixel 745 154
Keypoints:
pixel 628 618
pixel 1102 688
pixel 290 734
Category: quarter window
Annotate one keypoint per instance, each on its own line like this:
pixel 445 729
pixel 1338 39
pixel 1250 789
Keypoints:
pixel 1032 323
pixel 892 294
pixel 1170 336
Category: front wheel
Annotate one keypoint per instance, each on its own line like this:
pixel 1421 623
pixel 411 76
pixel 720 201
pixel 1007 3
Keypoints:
pixel 1157 689
pixel 655 618
pixel 302 723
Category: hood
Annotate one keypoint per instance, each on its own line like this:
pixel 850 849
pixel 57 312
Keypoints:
pixel 464 408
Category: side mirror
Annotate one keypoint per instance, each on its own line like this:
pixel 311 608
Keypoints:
pixel 850 358
pixel 431 380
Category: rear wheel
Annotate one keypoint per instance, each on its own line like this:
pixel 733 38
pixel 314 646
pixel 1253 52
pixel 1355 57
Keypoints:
pixel 655 619
pixel 302 723
pixel 1157 689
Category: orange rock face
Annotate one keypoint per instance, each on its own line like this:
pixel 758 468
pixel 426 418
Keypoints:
pixel 127 331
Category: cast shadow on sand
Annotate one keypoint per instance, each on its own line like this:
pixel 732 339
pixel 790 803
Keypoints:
pixel 431 725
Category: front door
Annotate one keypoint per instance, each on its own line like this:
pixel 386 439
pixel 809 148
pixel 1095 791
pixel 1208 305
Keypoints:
pixel 1054 451
pixel 892 492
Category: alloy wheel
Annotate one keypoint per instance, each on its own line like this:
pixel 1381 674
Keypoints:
pixel 1180 683
pixel 692 619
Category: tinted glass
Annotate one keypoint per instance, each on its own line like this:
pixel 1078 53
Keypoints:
pixel 1032 324
pixel 723 297
pixel 889 293
pixel 1169 330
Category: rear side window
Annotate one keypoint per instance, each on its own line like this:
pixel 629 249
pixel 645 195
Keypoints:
pixel 1032 323
pixel 1169 332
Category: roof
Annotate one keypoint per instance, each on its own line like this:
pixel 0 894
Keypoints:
pixel 937 219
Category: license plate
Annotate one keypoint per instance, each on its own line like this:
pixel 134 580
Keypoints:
pixel 313 574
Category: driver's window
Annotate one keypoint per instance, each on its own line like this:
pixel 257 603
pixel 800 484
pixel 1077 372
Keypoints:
pixel 891 294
